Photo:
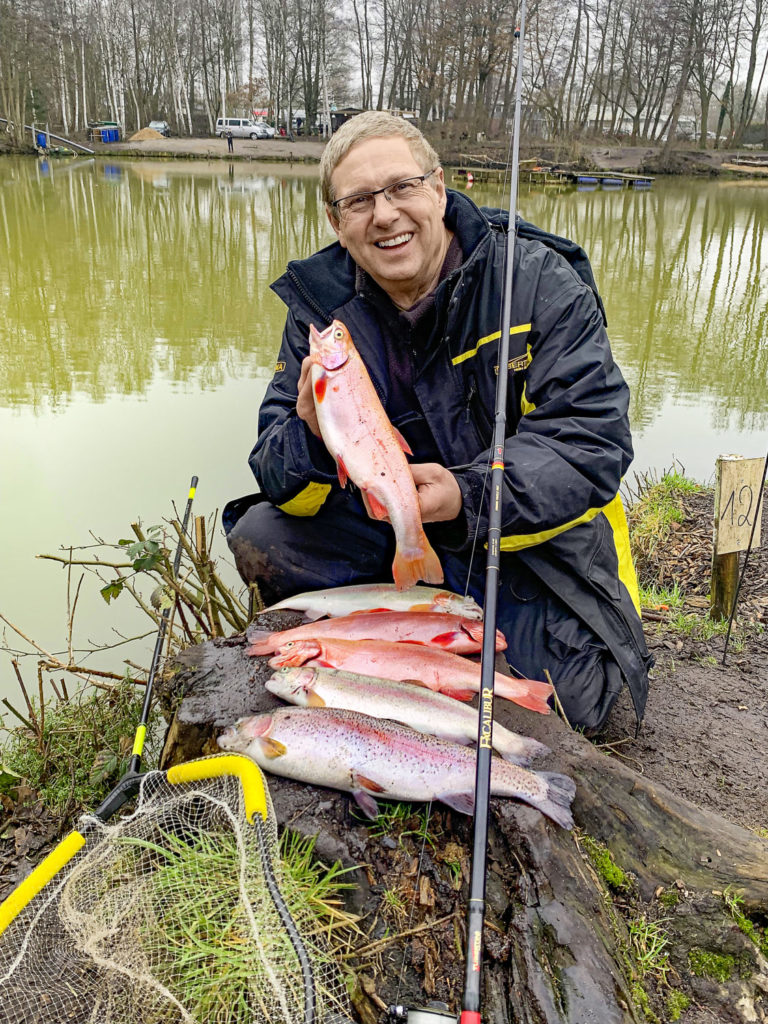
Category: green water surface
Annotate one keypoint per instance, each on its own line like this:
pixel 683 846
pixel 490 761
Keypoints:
pixel 138 333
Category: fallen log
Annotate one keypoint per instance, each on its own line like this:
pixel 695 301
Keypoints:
pixel 562 944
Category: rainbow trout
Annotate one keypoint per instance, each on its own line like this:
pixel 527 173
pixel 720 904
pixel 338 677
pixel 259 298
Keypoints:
pixel 368 450
pixel 420 708
pixel 371 758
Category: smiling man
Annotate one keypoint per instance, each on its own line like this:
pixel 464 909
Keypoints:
pixel 416 276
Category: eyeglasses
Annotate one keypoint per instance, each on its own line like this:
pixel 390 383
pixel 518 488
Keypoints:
pixel 399 193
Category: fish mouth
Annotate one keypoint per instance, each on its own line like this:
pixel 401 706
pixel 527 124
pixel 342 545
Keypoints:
pixel 397 242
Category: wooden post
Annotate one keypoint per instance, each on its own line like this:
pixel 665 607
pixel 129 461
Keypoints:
pixel 737 493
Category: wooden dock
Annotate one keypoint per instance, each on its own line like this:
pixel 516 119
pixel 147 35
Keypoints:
pixel 613 179
pixel 536 173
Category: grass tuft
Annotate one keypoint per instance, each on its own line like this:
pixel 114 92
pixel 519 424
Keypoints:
pixel 82 747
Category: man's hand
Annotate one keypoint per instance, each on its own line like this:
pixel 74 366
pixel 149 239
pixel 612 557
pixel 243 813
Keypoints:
pixel 305 403
pixel 439 493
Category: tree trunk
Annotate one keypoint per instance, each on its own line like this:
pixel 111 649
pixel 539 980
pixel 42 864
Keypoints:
pixel 557 951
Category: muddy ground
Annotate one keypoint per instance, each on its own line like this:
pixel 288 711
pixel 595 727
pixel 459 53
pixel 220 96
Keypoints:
pixel 705 733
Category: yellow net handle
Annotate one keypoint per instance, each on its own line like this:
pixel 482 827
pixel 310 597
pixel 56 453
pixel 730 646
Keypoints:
pixel 246 770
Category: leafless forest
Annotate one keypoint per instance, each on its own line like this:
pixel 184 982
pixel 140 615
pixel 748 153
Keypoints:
pixel 637 69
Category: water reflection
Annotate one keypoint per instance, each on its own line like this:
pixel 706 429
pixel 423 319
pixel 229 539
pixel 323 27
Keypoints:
pixel 684 275
pixel 119 273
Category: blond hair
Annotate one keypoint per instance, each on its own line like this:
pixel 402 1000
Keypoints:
pixel 371 124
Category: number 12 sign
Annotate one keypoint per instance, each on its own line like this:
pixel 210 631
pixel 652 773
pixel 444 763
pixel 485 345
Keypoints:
pixel 737 503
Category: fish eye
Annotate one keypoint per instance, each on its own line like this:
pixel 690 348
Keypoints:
pixel 338 334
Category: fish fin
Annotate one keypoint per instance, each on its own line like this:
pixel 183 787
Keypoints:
pixel 445 640
pixel 314 700
pixel 369 611
pixel 464 803
pixel 272 748
pixel 475 631
pixel 341 469
pixel 464 695
pixel 408 571
pixel 557 804
pixel 313 615
pixel 366 803
pixel 528 693
pixel 420 683
pixel 421 608
pixel 368 784
pixel 402 442
pixel 320 388
pixel 374 507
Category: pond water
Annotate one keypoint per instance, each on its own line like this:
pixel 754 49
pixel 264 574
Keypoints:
pixel 138 333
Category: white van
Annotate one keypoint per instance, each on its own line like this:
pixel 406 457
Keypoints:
pixel 241 128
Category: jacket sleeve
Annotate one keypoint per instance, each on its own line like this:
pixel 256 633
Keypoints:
pixel 287 456
pixel 572 445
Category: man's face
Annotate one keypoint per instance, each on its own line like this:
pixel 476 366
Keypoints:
pixel 401 247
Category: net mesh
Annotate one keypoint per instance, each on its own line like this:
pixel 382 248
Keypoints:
pixel 165 916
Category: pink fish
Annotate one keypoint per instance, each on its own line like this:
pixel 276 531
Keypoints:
pixel 437 670
pixel 368 450
pixel 449 632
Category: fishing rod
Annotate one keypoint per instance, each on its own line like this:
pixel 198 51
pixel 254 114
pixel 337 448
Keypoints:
pixel 438 1013
pixel 470 1012
pixel 127 786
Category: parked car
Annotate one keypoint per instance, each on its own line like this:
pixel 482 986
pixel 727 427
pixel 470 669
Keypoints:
pixel 241 128
pixel 161 126
pixel 267 129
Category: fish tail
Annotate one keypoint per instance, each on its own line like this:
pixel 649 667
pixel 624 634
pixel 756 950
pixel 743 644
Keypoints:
pixel 516 748
pixel 408 570
pixel 528 693
pixel 557 803
pixel 261 642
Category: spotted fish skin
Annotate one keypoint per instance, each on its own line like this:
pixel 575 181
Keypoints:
pixel 372 758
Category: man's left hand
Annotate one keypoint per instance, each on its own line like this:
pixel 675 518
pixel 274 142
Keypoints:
pixel 439 493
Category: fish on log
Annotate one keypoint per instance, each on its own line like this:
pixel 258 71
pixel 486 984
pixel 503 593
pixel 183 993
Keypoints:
pixel 555 948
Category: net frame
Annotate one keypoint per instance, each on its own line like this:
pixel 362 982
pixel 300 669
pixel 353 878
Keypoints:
pixel 82 938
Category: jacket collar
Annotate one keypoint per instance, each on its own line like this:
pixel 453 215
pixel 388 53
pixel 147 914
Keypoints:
pixel 325 281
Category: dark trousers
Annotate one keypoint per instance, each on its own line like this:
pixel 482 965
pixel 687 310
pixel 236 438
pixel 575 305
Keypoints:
pixel 287 555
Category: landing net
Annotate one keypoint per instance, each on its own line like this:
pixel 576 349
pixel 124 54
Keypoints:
pixel 165 916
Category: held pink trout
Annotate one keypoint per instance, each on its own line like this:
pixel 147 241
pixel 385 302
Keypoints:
pixel 420 708
pixel 376 597
pixel 368 757
pixel 368 450
pixel 448 632
pixel 437 670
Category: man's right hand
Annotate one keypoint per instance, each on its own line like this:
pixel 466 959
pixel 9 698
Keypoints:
pixel 305 403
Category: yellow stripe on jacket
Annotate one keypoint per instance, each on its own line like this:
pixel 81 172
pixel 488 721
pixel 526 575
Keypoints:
pixel 307 502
